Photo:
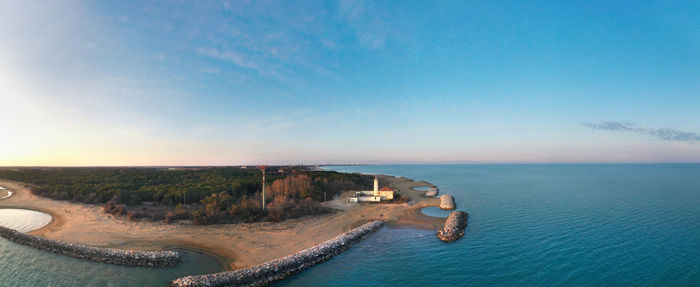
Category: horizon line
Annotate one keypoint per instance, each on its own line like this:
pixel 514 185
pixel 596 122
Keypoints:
pixel 344 164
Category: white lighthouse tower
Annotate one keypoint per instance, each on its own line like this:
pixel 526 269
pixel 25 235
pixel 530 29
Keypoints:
pixel 375 195
pixel 376 187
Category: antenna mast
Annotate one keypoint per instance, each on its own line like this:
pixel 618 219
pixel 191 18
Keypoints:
pixel 263 187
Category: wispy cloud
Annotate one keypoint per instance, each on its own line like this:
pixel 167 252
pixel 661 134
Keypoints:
pixel 351 8
pixel 664 134
pixel 232 56
pixel 369 28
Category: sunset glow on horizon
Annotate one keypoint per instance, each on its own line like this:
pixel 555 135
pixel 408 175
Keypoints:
pixel 238 82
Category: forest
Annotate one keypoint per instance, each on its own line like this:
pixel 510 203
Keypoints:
pixel 208 195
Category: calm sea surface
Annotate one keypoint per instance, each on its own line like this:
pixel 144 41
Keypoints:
pixel 529 225
pixel 538 225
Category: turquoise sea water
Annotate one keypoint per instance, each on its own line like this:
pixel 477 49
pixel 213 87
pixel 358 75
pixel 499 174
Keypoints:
pixel 538 225
pixel 529 225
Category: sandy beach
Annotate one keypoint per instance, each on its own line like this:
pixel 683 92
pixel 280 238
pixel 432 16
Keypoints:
pixel 236 245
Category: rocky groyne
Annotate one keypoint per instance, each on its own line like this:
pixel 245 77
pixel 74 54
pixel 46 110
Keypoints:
pixel 275 270
pixel 97 254
pixel 432 192
pixel 454 226
pixel 447 202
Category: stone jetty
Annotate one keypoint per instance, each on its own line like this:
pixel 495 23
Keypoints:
pixel 97 254
pixel 278 269
pixel 432 192
pixel 447 202
pixel 454 226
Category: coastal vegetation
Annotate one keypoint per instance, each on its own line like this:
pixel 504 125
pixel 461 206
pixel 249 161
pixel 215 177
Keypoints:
pixel 202 195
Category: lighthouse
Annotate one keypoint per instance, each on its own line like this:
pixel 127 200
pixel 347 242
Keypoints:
pixel 376 186
pixel 375 195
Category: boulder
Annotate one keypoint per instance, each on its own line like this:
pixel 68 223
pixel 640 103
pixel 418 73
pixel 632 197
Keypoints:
pixel 432 192
pixel 447 202
pixel 454 226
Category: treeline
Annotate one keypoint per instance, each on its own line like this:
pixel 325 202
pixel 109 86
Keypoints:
pixel 205 196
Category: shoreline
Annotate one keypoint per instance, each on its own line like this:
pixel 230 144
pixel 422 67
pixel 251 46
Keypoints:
pixel 414 218
pixel 4 193
pixel 53 218
pixel 235 246
pixel 281 268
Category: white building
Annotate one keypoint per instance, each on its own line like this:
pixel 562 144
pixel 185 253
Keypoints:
pixel 375 195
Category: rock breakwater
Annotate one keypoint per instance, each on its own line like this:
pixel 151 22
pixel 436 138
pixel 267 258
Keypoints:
pixel 454 226
pixel 432 192
pixel 278 269
pixel 97 254
pixel 447 202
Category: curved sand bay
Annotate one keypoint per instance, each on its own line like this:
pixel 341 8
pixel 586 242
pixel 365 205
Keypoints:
pixel 23 220
pixel 4 193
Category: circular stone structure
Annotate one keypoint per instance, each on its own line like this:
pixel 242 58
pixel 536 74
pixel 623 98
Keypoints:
pixel 447 202
pixel 432 192
pixel 23 220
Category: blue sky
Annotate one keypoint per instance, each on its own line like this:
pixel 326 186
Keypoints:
pixel 246 82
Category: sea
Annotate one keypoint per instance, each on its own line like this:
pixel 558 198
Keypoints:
pixel 529 225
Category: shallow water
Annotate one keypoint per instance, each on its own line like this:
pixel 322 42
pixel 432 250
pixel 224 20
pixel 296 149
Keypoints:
pixel 23 220
pixel 435 211
pixel 538 225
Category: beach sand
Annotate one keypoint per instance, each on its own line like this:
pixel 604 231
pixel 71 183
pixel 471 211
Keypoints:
pixel 236 245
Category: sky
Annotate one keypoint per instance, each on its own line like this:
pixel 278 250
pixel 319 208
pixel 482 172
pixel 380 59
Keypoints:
pixel 90 83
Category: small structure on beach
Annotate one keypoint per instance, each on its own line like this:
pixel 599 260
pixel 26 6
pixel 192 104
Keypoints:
pixel 447 202
pixel 386 193
pixel 432 191
pixel 375 195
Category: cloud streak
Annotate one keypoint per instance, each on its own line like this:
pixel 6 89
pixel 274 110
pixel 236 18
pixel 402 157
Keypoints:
pixel 232 56
pixel 662 134
pixel 369 28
